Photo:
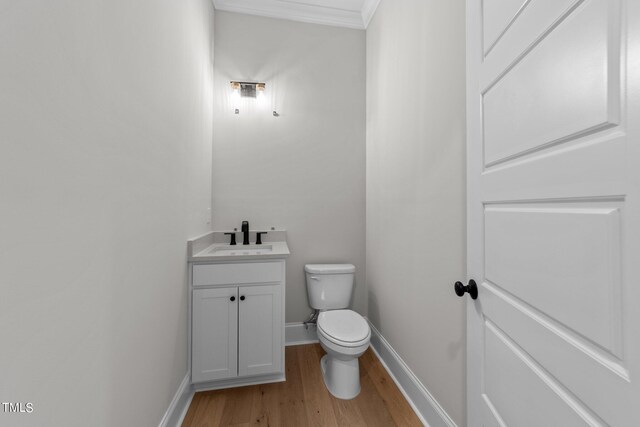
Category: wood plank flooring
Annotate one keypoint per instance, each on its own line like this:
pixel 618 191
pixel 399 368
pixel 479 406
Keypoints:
pixel 303 399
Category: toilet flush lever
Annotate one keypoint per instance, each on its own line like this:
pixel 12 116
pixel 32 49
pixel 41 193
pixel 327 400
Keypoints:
pixel 314 278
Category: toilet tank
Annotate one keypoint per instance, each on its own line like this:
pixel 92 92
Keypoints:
pixel 329 286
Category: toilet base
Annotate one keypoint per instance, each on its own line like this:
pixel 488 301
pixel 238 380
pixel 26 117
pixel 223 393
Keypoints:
pixel 342 377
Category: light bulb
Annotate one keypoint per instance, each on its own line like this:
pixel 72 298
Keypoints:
pixel 260 98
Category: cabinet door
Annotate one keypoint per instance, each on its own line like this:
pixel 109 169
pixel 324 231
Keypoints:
pixel 260 336
pixel 215 334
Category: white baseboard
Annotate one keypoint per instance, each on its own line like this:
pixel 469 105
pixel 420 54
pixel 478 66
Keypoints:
pixel 179 404
pixel 423 403
pixel 297 334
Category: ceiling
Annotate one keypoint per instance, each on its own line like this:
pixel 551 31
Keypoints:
pixel 340 13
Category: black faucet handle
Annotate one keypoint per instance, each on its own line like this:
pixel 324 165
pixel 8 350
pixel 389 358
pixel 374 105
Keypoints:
pixel 245 232
pixel 233 238
pixel 259 237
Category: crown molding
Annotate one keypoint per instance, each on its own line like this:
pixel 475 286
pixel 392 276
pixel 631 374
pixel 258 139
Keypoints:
pixel 314 12
pixel 369 8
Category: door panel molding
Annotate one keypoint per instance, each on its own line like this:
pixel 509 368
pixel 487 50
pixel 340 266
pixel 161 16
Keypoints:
pixel 533 251
pixel 508 313
pixel 583 96
pixel 502 14
pixel 552 396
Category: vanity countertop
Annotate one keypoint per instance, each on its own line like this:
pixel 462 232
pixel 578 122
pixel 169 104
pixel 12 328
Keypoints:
pixel 214 247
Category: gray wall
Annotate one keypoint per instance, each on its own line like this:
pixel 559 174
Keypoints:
pixel 416 189
pixel 105 148
pixel 305 170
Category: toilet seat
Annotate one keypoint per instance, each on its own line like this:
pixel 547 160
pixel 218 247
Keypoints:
pixel 344 328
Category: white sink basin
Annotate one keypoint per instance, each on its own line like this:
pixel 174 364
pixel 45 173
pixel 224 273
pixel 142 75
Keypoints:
pixel 229 250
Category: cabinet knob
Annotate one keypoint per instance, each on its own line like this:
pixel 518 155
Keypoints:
pixel 242 298
pixel 232 299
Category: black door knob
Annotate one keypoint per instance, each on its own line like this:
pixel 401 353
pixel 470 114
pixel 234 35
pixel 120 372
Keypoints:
pixel 471 288
pixel 232 299
pixel 242 298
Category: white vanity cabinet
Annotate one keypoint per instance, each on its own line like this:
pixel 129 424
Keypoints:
pixel 237 330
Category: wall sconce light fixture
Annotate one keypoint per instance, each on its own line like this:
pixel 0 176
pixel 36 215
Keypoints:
pixel 246 90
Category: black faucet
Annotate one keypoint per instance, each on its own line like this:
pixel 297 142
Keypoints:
pixel 233 238
pixel 259 237
pixel 245 232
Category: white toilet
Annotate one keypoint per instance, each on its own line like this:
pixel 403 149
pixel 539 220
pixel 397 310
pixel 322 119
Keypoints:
pixel 343 333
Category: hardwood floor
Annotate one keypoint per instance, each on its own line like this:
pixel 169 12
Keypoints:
pixel 303 399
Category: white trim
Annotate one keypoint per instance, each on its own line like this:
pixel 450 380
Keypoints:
pixel 294 10
pixel 179 404
pixel 239 382
pixel 369 8
pixel 423 403
pixel 297 334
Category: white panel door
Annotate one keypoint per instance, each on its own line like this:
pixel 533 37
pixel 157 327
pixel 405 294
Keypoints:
pixel 553 121
pixel 260 335
pixel 214 334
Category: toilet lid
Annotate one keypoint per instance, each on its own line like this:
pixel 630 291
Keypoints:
pixel 344 325
pixel 330 268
